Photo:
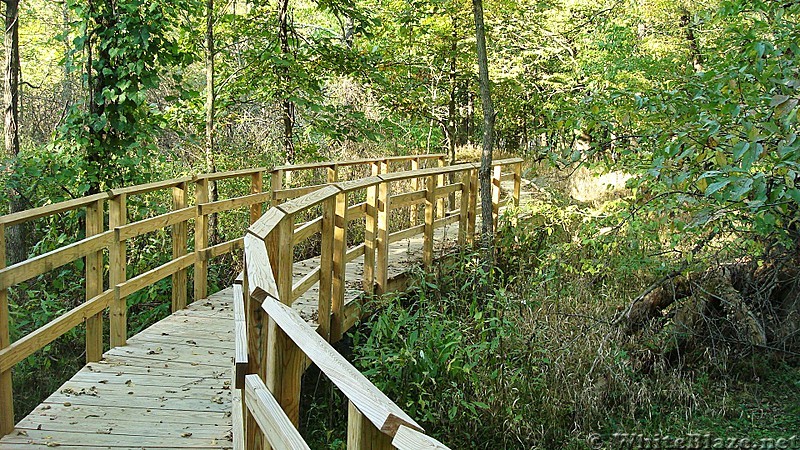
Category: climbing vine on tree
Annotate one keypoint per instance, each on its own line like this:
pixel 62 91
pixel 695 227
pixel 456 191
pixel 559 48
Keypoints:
pixel 121 49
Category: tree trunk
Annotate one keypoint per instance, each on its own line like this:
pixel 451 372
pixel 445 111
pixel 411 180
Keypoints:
pixel 16 235
pixel 694 48
pixel 484 174
pixel 451 104
pixel 287 105
pixel 210 113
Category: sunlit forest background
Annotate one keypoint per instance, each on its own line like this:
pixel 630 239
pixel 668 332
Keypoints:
pixel 652 285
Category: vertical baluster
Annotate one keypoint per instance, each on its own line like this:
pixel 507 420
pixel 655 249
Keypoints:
pixel 117 271
pixel 333 173
pixel 413 216
pixel 339 266
pixel 94 282
pixel 440 179
pixel 362 434
pixel 370 235
pixel 180 235
pixel 256 186
pixel 6 388
pixel 284 359
pixel 326 267
pixel 517 183
pixel 430 215
pixel 463 210
pixel 201 242
pixel 257 321
pixel 472 205
pixel 496 173
pixel 276 184
pixel 382 241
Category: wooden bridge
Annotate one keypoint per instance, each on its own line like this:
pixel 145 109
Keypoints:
pixel 224 371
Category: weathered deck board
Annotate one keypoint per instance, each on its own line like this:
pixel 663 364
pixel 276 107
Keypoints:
pixel 170 387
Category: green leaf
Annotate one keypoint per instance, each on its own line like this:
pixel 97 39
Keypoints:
pixel 715 187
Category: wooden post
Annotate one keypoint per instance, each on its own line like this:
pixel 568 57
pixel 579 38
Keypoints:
pixel 362 434
pixel 6 388
pixel 472 205
pixel 440 202
pixel 382 241
pixel 256 186
pixel 413 216
pixel 496 173
pixel 339 265
pixel 117 272
pixel 384 166
pixel 326 268
pixel 94 283
pixel 257 359
pixel 276 184
pixel 517 183
pixel 430 215
pixel 201 242
pixel 463 211
pixel 370 234
pixel 180 234
pixel 333 173
pixel 285 361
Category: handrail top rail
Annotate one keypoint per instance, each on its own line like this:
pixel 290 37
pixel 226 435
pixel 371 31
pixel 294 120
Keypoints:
pixel 355 162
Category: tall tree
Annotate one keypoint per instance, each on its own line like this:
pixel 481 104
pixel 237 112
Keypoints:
pixel 16 235
pixel 485 172
pixel 287 106
pixel 210 164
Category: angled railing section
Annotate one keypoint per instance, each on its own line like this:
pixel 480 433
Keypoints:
pixel 108 289
pixel 274 343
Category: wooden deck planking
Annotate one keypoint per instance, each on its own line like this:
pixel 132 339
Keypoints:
pixel 170 387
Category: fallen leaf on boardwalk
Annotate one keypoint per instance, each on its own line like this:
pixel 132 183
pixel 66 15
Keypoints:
pixel 217 400
pixel 22 433
pixel 187 434
pixel 67 404
pixel 53 444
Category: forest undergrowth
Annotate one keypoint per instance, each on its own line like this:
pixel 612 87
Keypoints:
pixel 547 358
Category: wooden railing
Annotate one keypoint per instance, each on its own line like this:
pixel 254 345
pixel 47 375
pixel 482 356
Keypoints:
pixel 274 344
pixel 107 290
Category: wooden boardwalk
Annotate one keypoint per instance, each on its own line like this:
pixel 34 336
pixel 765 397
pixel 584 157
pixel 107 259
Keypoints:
pixel 170 387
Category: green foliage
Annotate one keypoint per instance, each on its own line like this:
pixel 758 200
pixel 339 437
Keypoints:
pixel 436 351
pixel 124 48
pixel 715 138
